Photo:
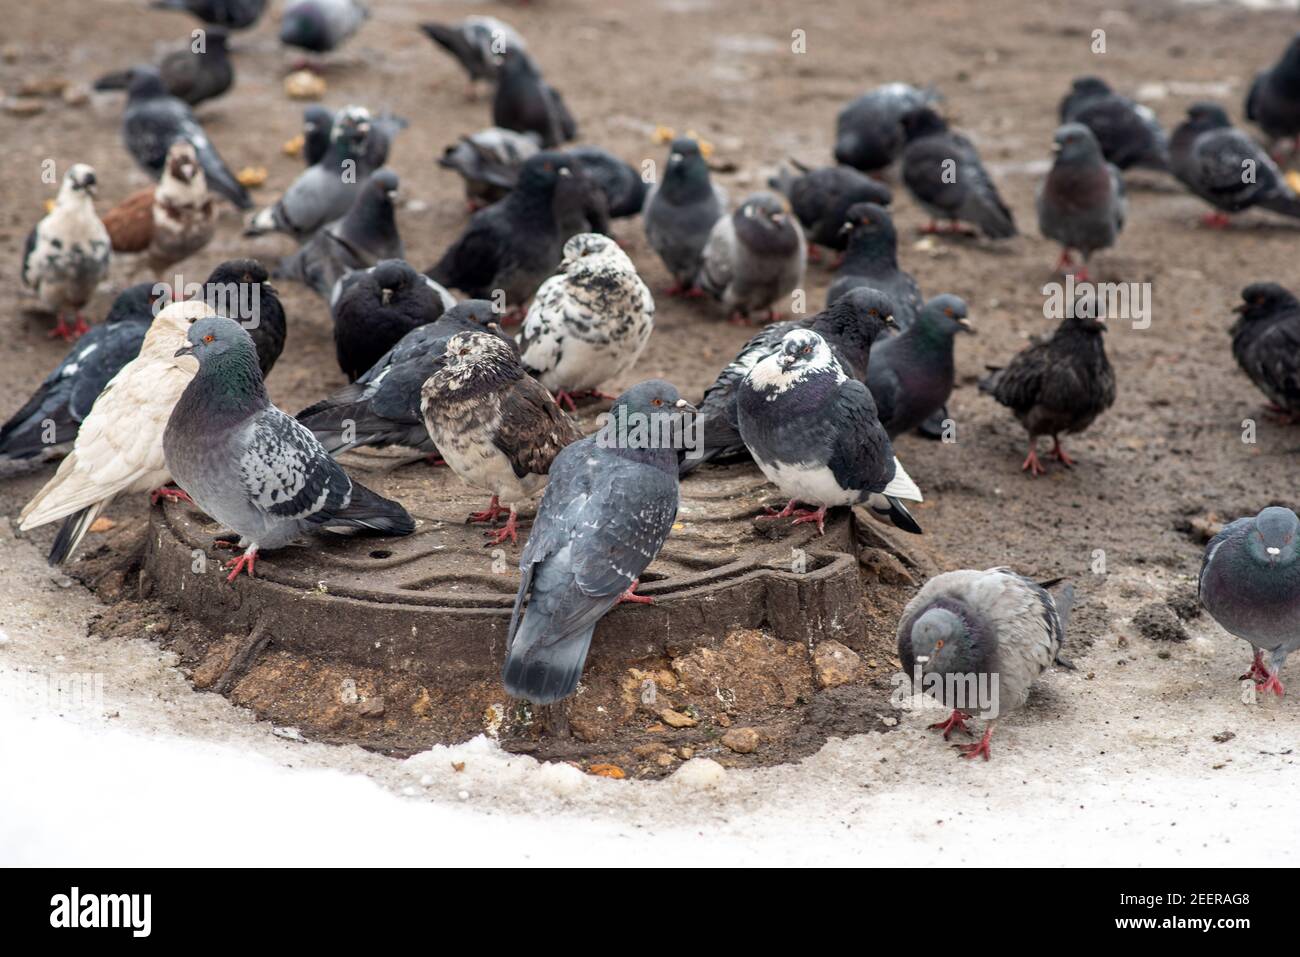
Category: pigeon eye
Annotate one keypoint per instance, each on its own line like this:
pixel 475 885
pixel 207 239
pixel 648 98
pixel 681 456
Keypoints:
pixel 948 311
pixel 209 338
pixel 656 401
pixel 873 312
pixel 938 644
pixel 464 352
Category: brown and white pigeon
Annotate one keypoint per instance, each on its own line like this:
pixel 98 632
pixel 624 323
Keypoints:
pixel 171 221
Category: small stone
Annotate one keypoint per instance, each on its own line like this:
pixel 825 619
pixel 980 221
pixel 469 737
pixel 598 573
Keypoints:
pixel 889 721
pixel 723 720
pixel 685 753
pixel 42 86
pixel 675 719
pixel 77 94
pixel 304 85
pixel 835 664
pixel 1158 622
pixel 741 740
pixel 885 567
pixel 646 751
pixel 585 730
pixel 372 707
pixel 699 774
pixel 348 691
pixel 23 106
pixel 664 760
pixel 423 705
pixel 1223 737
pixel 649 692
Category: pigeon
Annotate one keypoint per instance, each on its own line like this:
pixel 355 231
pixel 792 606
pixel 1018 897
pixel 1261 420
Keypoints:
pixel 494 424
pixel 320 26
pixel 256 470
pixel 680 213
pixel 201 70
pixel 754 257
pixel 154 119
pixel 366 235
pixel 1226 168
pixel 869 133
pixel 821 199
pixel 977 640
pixel 513 245
pixel 477 43
pixel 849 326
pixel 47 424
pixel 350 279
pixel 373 313
pixel 1273 101
pixel 944 174
pixel 118 449
pixel 1129 133
pixel 323 192
pixel 1249 583
pixel 589 322
pixel 871 259
pixel 383 406
pixel 1057 385
pixel 234 14
pixel 318 132
pixel 168 222
pixel 240 289
pixel 68 252
pixel 606 512
pixel 526 103
pixel 489 161
pixel 911 375
pixel 1266 344
pixel 1081 201
pixel 579 204
pixel 624 189
pixel 814 433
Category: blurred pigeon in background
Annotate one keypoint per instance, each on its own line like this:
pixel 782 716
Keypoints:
pixel 869 133
pixel 489 162
pixel 754 257
pixel 680 212
pixel 624 189
pixel 320 26
pixel 526 103
pixel 235 14
pixel 821 198
pixel 871 259
pixel 477 43
pixel 1129 134
pixel 1273 101
pixel 1266 344
pixel 200 70
pixel 943 172
pixel 1081 202
pixel 168 222
pixel 240 289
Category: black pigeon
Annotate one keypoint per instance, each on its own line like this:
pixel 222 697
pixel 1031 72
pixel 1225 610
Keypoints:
pixel 526 103
pixel 320 26
pixel 1129 133
pixel 821 199
pixel 489 161
pixel 383 406
pixel 680 213
pixel 1273 102
pixel 1081 201
pixel 622 185
pixel 476 42
pixel 240 289
pixel 190 74
pixel 606 513
pixel 374 311
pixel 1266 344
pixel 911 375
pixel 943 172
pixel 1212 159
pixel 869 133
pixel 1057 385
pixel 235 14
pixel 154 119
pixel 580 204
pixel 318 130
pixel 872 260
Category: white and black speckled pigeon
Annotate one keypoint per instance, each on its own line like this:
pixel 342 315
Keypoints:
pixel 1273 101
pixel 868 131
pixel 979 640
pixel 1226 168
pixel 821 198
pixel 624 189
pixel 383 406
pixel 494 424
pixel 605 515
pixel 323 192
pixel 680 212
pixel 754 257
pixel 589 322
pixel 375 308
pixel 943 172
pixel 526 103
pixel 814 433
pixel 1129 133
pixel 1081 201
pixel 362 238
pixel 254 469
pixel 1250 584
pixel 1057 385
pixel 320 26
pixel 240 289
pixel 489 161
pixel 154 119
pixel 235 14
pixel 871 259
pixel 195 72
pixel 1266 344
pixel 477 43
pixel 911 375
pixel 68 252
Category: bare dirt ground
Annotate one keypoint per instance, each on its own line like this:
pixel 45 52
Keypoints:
pixel 1145 754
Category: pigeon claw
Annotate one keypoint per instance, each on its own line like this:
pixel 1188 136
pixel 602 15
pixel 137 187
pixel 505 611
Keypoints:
pixel 69 333
pixel 631 595
pixel 509 530
pixel 803 516
pixel 489 514
pixel 169 493
pixel 976 750
pixel 244 561
pixel 1031 463
pixel 1270 683
pixel 770 513
pixel 956 722
pixel 1257 669
pixel 1059 453
pixel 1216 220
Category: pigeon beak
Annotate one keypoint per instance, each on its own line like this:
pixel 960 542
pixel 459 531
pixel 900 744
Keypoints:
pixel 184 351
pixel 889 321
pixel 846 229
pixel 564 171
pixel 1239 309
pixel 674 158
pixel 966 325
pixel 686 406
pixel 1273 551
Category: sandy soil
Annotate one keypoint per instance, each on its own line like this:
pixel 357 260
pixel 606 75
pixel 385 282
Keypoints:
pixel 1146 754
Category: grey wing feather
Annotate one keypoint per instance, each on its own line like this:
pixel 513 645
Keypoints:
pixel 286 473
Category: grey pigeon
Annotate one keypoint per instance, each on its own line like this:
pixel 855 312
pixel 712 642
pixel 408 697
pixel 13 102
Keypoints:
pixel 1057 385
pixel 943 172
pixel 255 470
pixel 605 515
pixel 754 257
pixel 495 425
pixel 383 406
pixel 821 198
pixel 978 641
pixel 814 433
pixel 477 43
pixel 871 259
pixel 680 212
pixel 323 192
pixel 489 161
pixel 1250 584
pixel 366 235
pixel 589 322
pixel 1273 101
pixel 1129 133
pixel 318 132
pixel 240 289
pixel 376 308
pixel 1081 201
pixel 68 252
pixel 526 103
pixel 869 132
pixel 850 325
pixel 154 119
pixel 235 14
pixel 1226 168
pixel 320 26
pixel 1266 344
pixel 196 72
pixel 624 189
pixel 911 375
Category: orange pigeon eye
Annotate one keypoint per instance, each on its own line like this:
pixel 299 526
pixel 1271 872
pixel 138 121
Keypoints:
pixel 209 338
pixel 656 401
pixel 938 644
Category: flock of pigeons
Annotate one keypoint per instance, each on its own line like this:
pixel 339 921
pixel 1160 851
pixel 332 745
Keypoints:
pixel 170 391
